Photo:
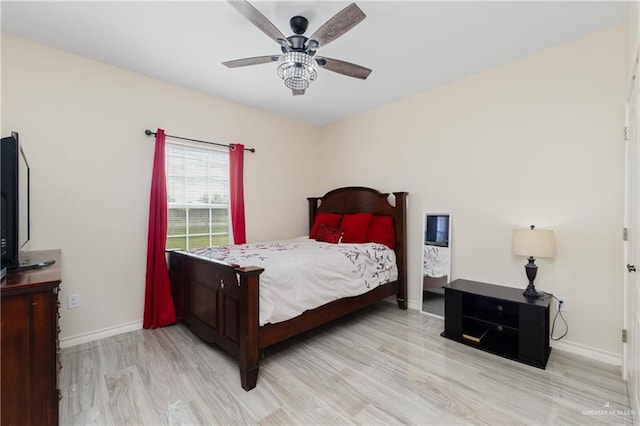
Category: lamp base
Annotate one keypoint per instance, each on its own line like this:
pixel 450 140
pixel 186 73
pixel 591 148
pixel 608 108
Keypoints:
pixel 530 292
pixel 532 269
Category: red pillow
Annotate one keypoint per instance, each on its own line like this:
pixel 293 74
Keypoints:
pixel 381 231
pixel 331 220
pixel 355 227
pixel 329 235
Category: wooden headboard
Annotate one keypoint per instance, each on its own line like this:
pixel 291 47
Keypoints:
pixel 358 199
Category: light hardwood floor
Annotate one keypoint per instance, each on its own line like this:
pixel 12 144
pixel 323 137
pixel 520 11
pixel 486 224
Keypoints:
pixel 380 366
pixel 433 303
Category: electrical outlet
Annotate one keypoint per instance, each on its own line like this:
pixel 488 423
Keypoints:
pixel 73 301
pixel 564 307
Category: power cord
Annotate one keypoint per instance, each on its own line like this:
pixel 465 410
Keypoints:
pixel 553 325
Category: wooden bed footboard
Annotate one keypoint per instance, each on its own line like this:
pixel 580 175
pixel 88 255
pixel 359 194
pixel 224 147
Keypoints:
pixel 220 302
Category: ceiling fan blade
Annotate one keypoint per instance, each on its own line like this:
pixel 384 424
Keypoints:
pixel 258 19
pixel 342 67
pixel 296 92
pixel 339 24
pixel 251 61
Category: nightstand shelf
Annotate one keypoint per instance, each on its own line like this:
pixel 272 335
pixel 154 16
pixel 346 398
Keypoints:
pixel 499 320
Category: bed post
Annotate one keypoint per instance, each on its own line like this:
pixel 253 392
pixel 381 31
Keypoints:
pixel 249 316
pixel 401 247
pixel 313 209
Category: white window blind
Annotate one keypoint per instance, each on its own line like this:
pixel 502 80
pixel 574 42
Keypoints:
pixel 198 197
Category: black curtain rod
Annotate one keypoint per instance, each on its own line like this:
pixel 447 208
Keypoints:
pixel 149 133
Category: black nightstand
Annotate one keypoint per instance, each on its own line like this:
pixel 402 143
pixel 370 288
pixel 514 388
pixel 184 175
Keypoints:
pixel 499 320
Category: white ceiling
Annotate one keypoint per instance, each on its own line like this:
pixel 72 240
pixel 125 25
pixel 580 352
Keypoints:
pixel 412 46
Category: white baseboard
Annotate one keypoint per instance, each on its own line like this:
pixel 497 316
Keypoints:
pixel 588 352
pixel 413 305
pixel 99 334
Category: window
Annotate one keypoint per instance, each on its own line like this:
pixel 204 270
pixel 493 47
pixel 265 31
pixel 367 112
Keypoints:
pixel 198 197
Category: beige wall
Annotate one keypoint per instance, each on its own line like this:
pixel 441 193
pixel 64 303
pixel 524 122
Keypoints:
pixel 533 141
pixel 81 124
pixel 536 141
pixel 633 36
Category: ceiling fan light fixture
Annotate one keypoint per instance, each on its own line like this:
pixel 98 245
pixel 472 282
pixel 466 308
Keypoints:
pixel 297 69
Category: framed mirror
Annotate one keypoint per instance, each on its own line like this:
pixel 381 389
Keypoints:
pixel 436 261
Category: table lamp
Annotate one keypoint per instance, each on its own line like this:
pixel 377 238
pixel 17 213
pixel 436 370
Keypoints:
pixel 532 243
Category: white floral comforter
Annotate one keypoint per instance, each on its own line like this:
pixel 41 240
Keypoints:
pixel 435 261
pixel 301 274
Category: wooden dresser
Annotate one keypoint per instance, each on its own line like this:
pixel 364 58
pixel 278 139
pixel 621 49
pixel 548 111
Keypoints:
pixel 29 344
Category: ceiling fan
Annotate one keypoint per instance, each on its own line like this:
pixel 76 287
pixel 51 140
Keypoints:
pixel 297 65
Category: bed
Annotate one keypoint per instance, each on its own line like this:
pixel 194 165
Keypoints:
pixel 220 300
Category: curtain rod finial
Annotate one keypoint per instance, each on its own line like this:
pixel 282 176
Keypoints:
pixel 148 132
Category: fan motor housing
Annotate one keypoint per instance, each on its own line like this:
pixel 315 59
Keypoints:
pixel 297 42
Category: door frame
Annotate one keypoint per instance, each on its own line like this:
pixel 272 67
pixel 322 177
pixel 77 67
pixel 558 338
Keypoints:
pixel 631 247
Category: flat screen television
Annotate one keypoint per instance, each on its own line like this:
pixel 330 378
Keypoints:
pixel 15 209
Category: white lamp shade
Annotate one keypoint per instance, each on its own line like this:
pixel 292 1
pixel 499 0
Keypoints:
pixel 533 242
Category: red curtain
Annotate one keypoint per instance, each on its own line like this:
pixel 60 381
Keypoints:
pixel 158 302
pixel 236 166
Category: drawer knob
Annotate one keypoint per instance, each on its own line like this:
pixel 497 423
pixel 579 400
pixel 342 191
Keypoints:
pixel 499 308
pixel 499 328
